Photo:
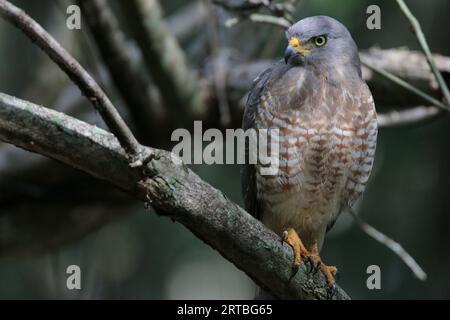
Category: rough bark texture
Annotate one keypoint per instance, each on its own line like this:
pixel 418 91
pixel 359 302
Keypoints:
pixel 171 188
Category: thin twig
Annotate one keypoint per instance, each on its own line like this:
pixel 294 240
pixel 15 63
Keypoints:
pixel 426 49
pixel 391 244
pixel 404 84
pixel 75 71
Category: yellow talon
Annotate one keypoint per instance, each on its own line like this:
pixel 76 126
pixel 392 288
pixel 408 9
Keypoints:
pixel 291 237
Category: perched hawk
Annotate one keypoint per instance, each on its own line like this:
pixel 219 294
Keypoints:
pixel 327 126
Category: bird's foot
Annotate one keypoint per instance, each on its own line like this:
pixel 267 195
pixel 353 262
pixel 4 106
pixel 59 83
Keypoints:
pixel 330 272
pixel 291 237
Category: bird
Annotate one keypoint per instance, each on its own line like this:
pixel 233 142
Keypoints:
pixel 326 119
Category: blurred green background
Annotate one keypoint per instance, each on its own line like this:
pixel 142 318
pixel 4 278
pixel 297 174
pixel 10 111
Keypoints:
pixel 139 255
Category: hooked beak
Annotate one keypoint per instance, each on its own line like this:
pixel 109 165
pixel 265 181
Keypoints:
pixel 289 53
pixel 295 47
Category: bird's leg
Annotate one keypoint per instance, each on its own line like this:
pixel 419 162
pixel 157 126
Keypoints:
pixel 328 271
pixel 291 237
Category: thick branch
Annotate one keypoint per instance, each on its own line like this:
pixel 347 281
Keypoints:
pixel 74 70
pixel 65 139
pixel 170 187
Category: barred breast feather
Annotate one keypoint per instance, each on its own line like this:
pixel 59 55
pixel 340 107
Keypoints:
pixel 328 131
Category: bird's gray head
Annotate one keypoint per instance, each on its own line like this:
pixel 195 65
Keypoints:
pixel 321 39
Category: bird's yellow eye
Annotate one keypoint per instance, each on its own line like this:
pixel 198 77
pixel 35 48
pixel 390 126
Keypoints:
pixel 320 41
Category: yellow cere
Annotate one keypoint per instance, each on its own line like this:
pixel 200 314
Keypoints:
pixel 295 43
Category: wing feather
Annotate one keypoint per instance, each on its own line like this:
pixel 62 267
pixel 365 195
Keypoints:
pixel 248 171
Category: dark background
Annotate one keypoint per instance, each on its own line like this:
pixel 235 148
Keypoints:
pixel 140 255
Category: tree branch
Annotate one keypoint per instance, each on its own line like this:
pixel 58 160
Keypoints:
pixel 171 188
pixel 397 80
pixel 391 244
pixel 411 116
pixel 165 60
pixel 280 13
pixel 410 66
pixel 426 49
pixel 129 80
pixel 261 18
pixel 74 70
